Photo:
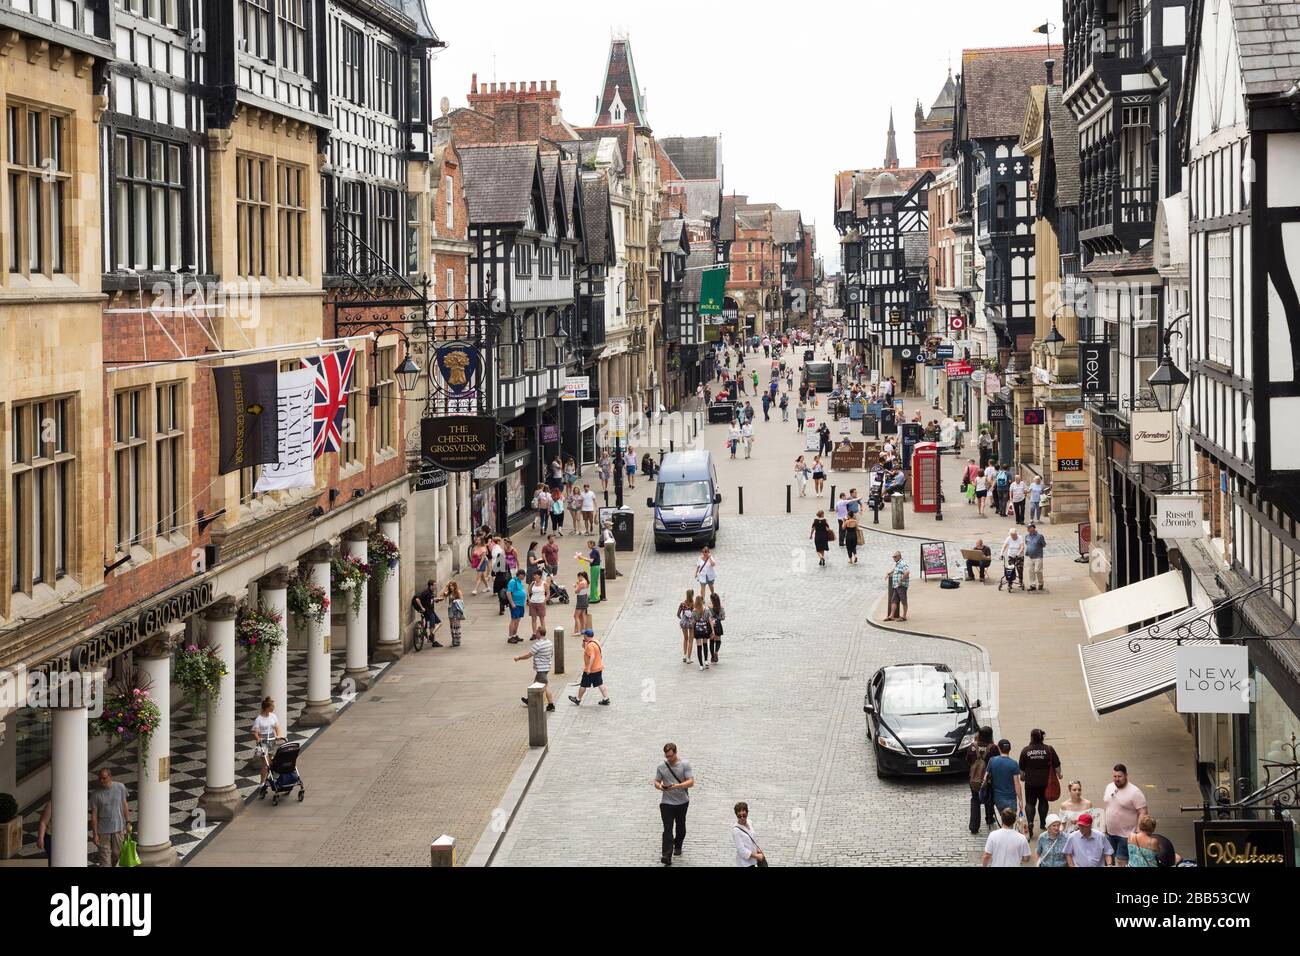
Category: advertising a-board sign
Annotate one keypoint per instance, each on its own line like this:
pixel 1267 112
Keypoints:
pixel 934 560
pixel 848 456
pixel 458 443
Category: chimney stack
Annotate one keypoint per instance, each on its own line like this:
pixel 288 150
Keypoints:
pixel 473 83
pixel 1051 65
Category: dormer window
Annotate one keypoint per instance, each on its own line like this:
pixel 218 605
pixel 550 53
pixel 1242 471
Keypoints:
pixel 616 109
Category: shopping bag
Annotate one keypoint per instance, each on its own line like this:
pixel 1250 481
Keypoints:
pixel 128 856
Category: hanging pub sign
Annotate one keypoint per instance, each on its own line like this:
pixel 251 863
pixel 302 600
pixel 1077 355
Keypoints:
pixel 1035 416
pixel 460 365
pixel 458 443
pixel 248 400
pixel 1178 516
pixel 1213 679
pixel 1236 843
pixel 1094 369
pixel 997 412
pixel 1151 438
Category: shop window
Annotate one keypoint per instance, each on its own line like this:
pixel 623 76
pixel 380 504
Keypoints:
pixel 42 491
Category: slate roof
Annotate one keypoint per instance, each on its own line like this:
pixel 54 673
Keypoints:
pixel 550 169
pixel 620 72
pixel 785 225
pixel 702 197
pixel 569 170
pixel 416 16
pixel 671 232
pixel 498 181
pixel 1268 35
pixel 1065 148
pixel 696 263
pixel 751 219
pixel 696 157
pixel 620 133
pixel 727 226
pixel 1123 263
pixel 865 179
pixel 916 249
pixel 996 82
pixel 595 209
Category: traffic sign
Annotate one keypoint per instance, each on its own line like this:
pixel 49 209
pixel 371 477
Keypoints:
pixel 618 409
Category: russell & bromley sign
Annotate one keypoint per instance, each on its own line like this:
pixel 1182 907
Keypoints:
pixel 458 443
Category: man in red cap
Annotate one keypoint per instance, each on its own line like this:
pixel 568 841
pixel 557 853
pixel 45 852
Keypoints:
pixel 1087 847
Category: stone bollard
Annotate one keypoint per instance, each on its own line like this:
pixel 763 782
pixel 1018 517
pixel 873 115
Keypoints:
pixel 897 502
pixel 610 567
pixel 536 716
pixel 442 851
pixel 557 638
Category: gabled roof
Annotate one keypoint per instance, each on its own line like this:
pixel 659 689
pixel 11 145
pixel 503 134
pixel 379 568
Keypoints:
pixel 995 82
pixel 620 82
pixel 752 219
pixel 697 157
pixel 572 186
pixel 597 217
pixel 672 235
pixel 727 225
pixel 1063 131
pixel 786 224
pixel 501 182
pixel 623 134
pixel 1268 36
pixel 703 197
pixel 413 15
pixel 697 263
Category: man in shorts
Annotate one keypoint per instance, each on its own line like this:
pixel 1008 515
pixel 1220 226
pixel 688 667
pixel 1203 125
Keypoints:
pixel 542 653
pixel 518 601
pixel 593 669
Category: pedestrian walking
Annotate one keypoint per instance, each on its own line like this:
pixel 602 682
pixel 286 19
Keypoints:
pixel 981 495
pixel 784 405
pixel 1018 492
pixel 702 624
pixel 605 469
pixel 1085 847
pixel 110 818
pixel 537 594
pixel 767 406
pixel 706 572
pixel 481 562
pixel 719 615
pixel 800 414
pixel 1050 849
pixel 820 536
pixel 1001 488
pixel 267 732
pixel 518 594
pixel 557 470
pixel 978 755
pixel 1073 805
pixel 747 438
pixel 593 669
pixel 851 527
pixel 629 463
pixel 574 506
pixel 841 515
pixel 1035 545
pixel 1003 779
pixel 824 434
pixel 1125 804
pixel 455 610
pixel 570 472
pixel 1006 846
pixel 686 622
pixel 551 556
pixel 588 509
pixel 582 602
pixel 801 475
pixel 1040 772
pixel 500 576
pixel 673 779
pixel 542 653
pixel 423 605
pixel 541 508
pixel 755 381
pixel 818 475
pixel 1036 491
pixel 747 851
pixel 896 581
pixel 733 439
pixel 985 443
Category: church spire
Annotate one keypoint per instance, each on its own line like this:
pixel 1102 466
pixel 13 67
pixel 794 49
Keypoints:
pixel 891 147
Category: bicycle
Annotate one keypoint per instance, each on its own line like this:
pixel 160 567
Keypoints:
pixel 422 634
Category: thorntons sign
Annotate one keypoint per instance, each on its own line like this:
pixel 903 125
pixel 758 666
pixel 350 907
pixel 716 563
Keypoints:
pixel 1178 516
pixel 1151 441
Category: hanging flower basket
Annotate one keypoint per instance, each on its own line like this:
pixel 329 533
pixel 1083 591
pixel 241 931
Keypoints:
pixel 348 575
pixel 198 672
pixel 383 557
pixel 307 601
pixel 129 714
pixel 258 632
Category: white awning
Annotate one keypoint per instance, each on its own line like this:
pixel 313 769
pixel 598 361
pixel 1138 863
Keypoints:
pixel 586 419
pixel 1116 677
pixel 1154 597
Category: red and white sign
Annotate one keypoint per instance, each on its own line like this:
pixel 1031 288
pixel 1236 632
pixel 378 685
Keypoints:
pixel 956 370
pixel 956 323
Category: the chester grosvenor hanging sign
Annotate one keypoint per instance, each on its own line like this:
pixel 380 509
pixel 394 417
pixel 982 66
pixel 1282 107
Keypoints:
pixel 459 443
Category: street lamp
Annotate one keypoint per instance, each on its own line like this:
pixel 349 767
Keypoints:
pixel 1054 341
pixel 408 374
pixel 1168 381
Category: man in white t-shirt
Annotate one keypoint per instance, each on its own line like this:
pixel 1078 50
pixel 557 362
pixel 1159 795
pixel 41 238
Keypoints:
pixel 1006 846
pixel 1018 490
pixel 589 508
pixel 747 438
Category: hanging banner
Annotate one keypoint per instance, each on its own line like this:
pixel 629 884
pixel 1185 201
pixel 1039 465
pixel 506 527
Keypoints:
pixel 295 466
pixel 460 365
pixel 1178 516
pixel 1094 369
pixel 1151 438
pixel 246 402
pixel 1213 679
pixel 458 443
pixel 713 289
pixel 333 382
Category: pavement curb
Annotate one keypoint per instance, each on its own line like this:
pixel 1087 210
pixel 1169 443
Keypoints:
pixel 488 844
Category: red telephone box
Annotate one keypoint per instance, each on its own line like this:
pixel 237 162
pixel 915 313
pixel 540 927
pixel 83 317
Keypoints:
pixel 925 477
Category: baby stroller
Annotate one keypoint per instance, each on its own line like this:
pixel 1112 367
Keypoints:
pixel 559 594
pixel 282 773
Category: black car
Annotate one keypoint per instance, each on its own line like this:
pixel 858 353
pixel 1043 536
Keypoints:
pixel 919 720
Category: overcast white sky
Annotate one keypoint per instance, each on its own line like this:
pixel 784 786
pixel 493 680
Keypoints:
pixel 796 94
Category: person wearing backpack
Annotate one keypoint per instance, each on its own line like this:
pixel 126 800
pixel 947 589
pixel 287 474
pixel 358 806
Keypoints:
pixel 702 624
pixel 978 756
pixel 1001 487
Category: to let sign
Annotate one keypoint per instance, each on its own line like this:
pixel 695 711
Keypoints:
pixel 1213 679
pixel 955 370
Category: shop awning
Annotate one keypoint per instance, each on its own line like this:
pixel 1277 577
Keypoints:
pixel 1116 677
pixel 1123 607
pixel 586 419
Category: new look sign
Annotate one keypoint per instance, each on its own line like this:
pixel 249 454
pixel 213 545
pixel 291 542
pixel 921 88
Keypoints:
pixel 1213 680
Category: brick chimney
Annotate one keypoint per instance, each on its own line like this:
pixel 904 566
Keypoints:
pixel 522 111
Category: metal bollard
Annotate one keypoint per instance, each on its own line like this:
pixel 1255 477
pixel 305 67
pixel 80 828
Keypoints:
pixel 442 851
pixel 832 496
pixel 671 448
pixel 557 638
pixel 603 591
pixel 898 512
pixel 787 499
pixel 740 499
pixel 536 716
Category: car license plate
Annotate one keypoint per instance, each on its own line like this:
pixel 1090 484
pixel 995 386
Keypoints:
pixel 683 540
pixel 933 764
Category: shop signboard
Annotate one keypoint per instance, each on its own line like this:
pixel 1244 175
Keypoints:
pixel 429 477
pixel 1238 843
pixel 1094 369
pixel 1151 438
pixel 958 370
pixel 1178 516
pixel 945 352
pixel 550 434
pixel 1035 416
pixel 1213 679
pixel 458 443
pixel 997 412
pixel 1069 451
pixel 577 388
pixel 460 366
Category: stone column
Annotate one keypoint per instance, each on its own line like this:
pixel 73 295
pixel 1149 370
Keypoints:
pixel 357 544
pixel 274 592
pixel 390 646
pixel 70 791
pixel 220 800
pixel 320 708
pixel 153 783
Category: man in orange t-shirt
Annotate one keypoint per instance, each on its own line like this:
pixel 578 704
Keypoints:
pixel 593 669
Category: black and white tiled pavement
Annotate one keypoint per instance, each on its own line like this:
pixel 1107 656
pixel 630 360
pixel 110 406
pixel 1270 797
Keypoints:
pixel 189 752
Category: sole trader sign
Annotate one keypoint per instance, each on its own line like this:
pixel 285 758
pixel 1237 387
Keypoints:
pixel 459 443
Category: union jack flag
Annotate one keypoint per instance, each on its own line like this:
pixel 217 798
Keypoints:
pixel 333 380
